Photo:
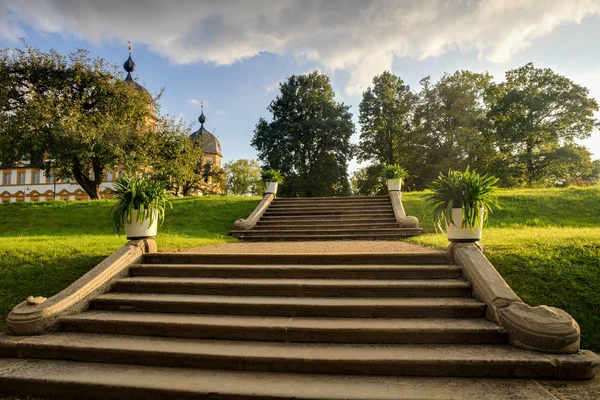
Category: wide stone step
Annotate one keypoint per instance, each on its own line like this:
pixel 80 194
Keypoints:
pixel 332 199
pixel 318 224
pixel 461 307
pixel 435 271
pixel 381 203
pixel 110 381
pixel 432 257
pixel 328 219
pixel 327 231
pixel 305 236
pixel 387 360
pixel 379 211
pixel 325 207
pixel 295 287
pixel 289 329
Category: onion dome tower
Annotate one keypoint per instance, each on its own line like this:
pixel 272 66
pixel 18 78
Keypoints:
pixel 212 147
pixel 129 66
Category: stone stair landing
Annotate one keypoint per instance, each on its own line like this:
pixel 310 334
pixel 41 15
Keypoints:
pixel 327 218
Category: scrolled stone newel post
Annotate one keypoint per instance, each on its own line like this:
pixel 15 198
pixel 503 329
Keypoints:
pixel 250 222
pixel 401 218
pixel 542 328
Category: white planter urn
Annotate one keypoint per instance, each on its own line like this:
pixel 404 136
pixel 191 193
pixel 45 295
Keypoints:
pixel 394 184
pixel 135 230
pixel 458 234
pixel 271 187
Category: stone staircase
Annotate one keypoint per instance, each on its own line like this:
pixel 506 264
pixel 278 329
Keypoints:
pixel 273 326
pixel 327 218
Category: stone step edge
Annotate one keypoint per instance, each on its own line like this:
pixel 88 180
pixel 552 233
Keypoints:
pixel 289 329
pixel 291 357
pixel 432 257
pixel 375 272
pixel 100 380
pixel 328 231
pixel 459 307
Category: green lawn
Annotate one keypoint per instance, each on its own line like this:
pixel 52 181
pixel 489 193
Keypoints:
pixel 544 242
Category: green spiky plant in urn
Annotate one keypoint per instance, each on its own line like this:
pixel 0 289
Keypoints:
pixel 271 179
pixel 140 207
pixel 461 202
pixel 394 174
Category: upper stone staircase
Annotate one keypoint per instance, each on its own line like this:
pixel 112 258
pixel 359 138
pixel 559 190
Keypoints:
pixel 275 326
pixel 327 218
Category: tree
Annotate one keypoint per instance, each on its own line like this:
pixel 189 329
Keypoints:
pixel 308 139
pixel 243 177
pixel 450 118
pixel 385 116
pixel 535 112
pixel 174 157
pixel 73 112
pixel 572 165
pixel 366 181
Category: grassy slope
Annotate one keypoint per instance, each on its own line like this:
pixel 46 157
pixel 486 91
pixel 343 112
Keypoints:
pixel 46 246
pixel 546 245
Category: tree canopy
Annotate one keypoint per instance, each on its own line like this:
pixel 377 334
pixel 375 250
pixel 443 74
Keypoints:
pixel 535 112
pixel 71 112
pixel 308 138
pixel 521 130
pixel 243 177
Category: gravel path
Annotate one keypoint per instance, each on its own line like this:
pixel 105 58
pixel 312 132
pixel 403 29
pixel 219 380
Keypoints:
pixel 358 246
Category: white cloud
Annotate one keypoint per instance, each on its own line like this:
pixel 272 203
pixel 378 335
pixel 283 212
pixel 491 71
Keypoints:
pixel 360 37
pixel 273 86
pixel 221 112
pixel 195 102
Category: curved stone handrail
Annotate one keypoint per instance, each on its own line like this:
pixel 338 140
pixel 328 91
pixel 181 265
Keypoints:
pixel 401 218
pixel 250 222
pixel 38 315
pixel 542 328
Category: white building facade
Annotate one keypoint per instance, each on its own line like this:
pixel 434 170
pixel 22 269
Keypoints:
pixel 22 182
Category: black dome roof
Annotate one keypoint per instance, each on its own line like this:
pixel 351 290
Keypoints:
pixel 209 141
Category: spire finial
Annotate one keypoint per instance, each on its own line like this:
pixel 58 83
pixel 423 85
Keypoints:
pixel 129 65
pixel 202 118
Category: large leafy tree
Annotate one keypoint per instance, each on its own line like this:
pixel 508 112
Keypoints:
pixel 385 115
pixel 73 112
pixel 387 136
pixel 243 177
pixel 536 112
pixel 308 138
pixel 450 118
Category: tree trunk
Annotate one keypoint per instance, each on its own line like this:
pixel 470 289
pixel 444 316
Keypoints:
pixel 91 187
pixel 530 167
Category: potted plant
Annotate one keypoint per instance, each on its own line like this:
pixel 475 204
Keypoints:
pixel 461 202
pixel 140 208
pixel 271 178
pixel 394 174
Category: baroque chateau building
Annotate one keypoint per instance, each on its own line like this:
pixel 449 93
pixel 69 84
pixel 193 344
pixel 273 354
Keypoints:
pixel 25 181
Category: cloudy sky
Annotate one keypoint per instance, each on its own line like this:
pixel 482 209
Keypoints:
pixel 232 54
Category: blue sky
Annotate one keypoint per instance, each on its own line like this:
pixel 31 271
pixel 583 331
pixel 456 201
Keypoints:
pixel 231 55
